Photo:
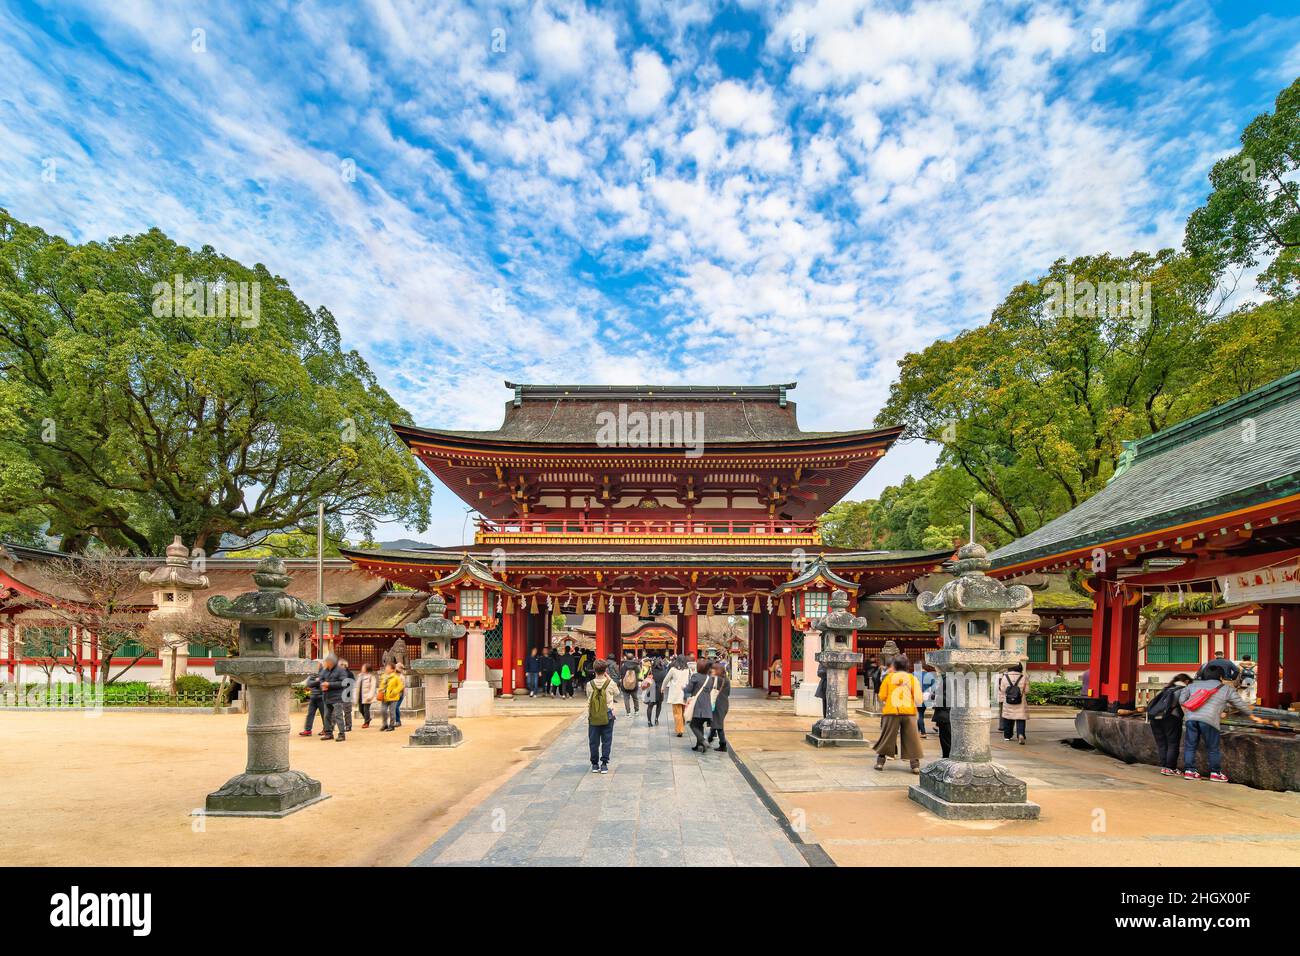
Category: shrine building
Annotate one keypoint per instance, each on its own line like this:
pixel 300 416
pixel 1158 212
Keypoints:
pixel 1191 550
pixel 649 504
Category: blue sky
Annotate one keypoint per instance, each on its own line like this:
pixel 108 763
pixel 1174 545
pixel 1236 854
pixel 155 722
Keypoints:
pixel 678 192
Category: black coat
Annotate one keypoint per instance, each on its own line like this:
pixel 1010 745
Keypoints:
pixel 338 678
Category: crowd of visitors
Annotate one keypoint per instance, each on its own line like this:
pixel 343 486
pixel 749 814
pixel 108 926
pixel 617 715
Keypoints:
pixel 1184 716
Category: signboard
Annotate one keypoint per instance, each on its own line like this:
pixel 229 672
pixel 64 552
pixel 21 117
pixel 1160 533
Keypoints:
pixel 1281 583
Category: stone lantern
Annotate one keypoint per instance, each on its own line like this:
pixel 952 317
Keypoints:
pixel 434 634
pixel 968 785
pixel 837 729
pixel 811 593
pixel 268 663
pixel 478 596
pixel 173 583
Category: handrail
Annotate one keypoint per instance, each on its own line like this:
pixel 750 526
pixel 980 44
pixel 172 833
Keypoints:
pixel 643 526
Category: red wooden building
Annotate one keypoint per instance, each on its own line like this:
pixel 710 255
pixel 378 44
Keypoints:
pixel 1204 519
pixel 648 501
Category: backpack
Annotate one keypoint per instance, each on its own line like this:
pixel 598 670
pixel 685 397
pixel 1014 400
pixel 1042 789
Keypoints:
pixel 597 706
pixel 629 679
pixel 1165 704
pixel 1013 695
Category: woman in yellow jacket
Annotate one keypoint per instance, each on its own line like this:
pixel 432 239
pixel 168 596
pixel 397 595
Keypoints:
pixel 391 686
pixel 900 694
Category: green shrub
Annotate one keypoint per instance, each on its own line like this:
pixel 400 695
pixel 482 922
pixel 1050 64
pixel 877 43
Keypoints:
pixel 195 685
pixel 1057 692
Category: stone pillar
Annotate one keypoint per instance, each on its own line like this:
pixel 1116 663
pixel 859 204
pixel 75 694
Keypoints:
pixel 173 585
pixel 268 663
pixel 434 635
pixel 968 785
pixel 837 729
pixel 474 697
pixel 806 701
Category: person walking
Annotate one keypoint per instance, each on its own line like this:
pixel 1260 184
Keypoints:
pixel 315 704
pixel 820 693
pixel 602 696
pixel 628 677
pixel 674 692
pixel 546 673
pixel 397 708
pixel 699 704
pixel 1012 694
pixel 654 702
pixel 390 692
pixel 721 703
pixel 900 694
pixel 333 682
pixel 1203 702
pixel 532 671
pixel 367 692
pixel 1165 716
pixel 349 694
pixel 928 682
pixel 567 664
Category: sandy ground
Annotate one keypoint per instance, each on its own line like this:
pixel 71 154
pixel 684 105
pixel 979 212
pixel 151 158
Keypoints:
pixel 1096 811
pixel 117 790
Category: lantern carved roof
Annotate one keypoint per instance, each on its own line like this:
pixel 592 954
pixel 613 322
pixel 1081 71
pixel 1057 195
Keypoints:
pixel 816 574
pixel 972 589
pixel 839 618
pixel 269 601
pixel 475 574
pixel 176 572
pixel 435 626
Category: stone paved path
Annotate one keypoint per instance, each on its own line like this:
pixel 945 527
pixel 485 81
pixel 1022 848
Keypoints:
pixel 660 805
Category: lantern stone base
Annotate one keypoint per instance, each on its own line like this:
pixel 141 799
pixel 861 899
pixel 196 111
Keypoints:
pixel 806 701
pixel 437 735
pixel 264 795
pixel 475 698
pixel 835 732
pixel 960 790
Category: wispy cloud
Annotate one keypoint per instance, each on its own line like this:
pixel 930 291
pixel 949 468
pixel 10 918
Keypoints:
pixel 671 192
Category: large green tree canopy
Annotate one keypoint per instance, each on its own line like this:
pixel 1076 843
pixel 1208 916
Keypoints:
pixel 1031 411
pixel 127 415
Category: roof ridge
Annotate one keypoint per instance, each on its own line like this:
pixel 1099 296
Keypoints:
pixel 1217 417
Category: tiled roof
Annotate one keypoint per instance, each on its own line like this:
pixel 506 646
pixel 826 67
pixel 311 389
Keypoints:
pixel 567 414
pixel 1241 453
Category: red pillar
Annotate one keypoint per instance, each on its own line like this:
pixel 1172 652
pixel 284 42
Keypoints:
pixel 602 635
pixel 1290 656
pixel 508 623
pixel 1121 670
pixel 853 645
pixel 692 635
pixel 1100 654
pixel 1270 648
pixel 787 650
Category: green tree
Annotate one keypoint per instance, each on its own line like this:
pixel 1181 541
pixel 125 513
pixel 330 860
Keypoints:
pixel 1253 213
pixel 128 413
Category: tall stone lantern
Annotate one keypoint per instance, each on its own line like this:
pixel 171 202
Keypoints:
pixel 478 598
pixel 434 635
pixel 268 663
pixel 811 593
pixel 968 785
pixel 173 584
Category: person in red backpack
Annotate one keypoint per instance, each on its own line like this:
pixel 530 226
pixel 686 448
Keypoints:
pixel 1165 716
pixel 1203 702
